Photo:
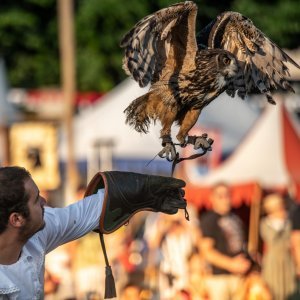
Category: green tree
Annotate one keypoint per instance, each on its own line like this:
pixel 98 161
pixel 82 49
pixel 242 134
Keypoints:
pixel 29 35
pixel 28 42
pixel 100 26
pixel 278 19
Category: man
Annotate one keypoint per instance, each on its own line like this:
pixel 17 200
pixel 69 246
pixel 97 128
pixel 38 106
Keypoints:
pixel 29 229
pixel 222 245
pixel 295 240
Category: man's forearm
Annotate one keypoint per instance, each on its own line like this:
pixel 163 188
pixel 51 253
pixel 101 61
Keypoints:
pixel 69 223
pixel 218 259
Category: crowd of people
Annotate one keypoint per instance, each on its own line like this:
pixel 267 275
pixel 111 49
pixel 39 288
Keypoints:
pixel 166 257
pixel 171 254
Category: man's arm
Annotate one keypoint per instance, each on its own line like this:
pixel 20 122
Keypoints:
pixel 69 223
pixel 295 238
pixel 236 265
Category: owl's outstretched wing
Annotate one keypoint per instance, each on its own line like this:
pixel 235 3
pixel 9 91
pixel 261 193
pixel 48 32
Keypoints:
pixel 263 63
pixel 161 44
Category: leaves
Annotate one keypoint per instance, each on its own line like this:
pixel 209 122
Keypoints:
pixel 280 20
pixel 29 35
pixel 28 42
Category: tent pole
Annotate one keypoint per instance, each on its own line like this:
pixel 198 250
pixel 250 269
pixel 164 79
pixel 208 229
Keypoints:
pixel 255 207
pixel 67 53
pixel 4 142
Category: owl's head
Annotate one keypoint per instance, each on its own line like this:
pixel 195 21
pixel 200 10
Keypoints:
pixel 227 64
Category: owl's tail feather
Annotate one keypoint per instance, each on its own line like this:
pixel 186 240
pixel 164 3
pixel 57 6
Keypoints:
pixel 136 114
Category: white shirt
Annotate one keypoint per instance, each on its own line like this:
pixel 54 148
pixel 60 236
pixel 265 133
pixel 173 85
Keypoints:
pixel 24 280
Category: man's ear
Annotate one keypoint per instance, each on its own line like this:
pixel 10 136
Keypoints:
pixel 16 220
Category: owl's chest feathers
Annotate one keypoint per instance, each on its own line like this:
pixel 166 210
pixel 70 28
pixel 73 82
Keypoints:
pixel 197 88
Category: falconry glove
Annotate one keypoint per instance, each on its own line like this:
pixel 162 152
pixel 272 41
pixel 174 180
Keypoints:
pixel 127 193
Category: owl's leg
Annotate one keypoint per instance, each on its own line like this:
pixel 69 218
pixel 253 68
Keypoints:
pixel 168 151
pixel 186 123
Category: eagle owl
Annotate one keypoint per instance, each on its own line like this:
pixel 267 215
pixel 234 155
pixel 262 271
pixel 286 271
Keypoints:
pixel 229 55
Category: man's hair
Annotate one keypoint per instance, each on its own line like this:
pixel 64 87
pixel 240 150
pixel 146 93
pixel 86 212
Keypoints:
pixel 13 197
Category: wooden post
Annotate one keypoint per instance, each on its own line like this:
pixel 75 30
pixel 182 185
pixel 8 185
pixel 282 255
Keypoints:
pixel 68 83
pixel 4 142
pixel 67 58
pixel 255 207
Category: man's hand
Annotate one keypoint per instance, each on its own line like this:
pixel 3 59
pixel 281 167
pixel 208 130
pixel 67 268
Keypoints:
pixel 127 193
pixel 236 265
pixel 239 264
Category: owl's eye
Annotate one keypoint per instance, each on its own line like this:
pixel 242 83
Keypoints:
pixel 226 61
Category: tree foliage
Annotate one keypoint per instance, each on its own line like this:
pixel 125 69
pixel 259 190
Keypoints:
pixel 29 35
pixel 278 19
pixel 100 26
pixel 28 42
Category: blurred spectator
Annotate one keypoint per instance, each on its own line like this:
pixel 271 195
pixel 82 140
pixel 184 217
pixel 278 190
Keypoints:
pixel 182 295
pixel 254 287
pixel 51 285
pixel 136 291
pixel 93 296
pixel 155 225
pixel 133 258
pixel 58 264
pixel 197 271
pixel 176 247
pixel 295 244
pixel 222 246
pixel 170 240
pixel 130 291
pixel 278 269
pixel 295 238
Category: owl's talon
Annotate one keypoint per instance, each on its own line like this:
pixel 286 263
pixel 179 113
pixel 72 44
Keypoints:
pixel 202 142
pixel 168 152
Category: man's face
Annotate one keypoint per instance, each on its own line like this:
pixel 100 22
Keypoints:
pixel 35 222
pixel 221 199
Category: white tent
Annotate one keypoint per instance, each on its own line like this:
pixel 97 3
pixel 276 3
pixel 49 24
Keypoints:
pixel 106 121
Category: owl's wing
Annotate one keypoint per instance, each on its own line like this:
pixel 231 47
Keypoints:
pixel 263 63
pixel 161 44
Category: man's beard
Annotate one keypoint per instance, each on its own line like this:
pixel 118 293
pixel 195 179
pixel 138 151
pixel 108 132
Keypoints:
pixel 27 231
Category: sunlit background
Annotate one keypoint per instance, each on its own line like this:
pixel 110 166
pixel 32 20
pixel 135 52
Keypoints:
pixel 62 97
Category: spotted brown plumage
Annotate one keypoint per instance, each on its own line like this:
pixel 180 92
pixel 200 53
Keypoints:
pixel 263 63
pixel 162 50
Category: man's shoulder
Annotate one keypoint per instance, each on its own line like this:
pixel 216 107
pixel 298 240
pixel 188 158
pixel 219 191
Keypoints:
pixel 295 218
pixel 209 218
pixel 297 211
pixel 209 215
